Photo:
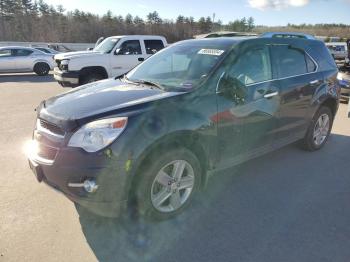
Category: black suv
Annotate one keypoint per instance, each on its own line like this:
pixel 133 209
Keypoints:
pixel 152 138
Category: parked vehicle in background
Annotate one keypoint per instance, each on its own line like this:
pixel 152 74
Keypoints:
pixel 47 50
pixel 151 138
pixel 114 56
pixel 344 82
pixel 287 35
pixel 339 51
pixel 60 48
pixel 18 59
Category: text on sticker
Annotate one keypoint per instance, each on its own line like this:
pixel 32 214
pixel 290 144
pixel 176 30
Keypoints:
pixel 216 52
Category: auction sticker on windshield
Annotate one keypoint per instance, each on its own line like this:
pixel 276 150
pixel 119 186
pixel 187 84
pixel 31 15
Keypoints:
pixel 216 52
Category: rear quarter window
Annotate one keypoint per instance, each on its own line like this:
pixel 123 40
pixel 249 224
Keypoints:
pixel 323 57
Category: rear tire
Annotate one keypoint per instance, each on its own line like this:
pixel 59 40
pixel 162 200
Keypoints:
pixel 161 192
pixel 41 69
pixel 319 130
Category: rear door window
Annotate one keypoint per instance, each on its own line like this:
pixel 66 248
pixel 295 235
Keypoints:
pixel 289 61
pixel 153 46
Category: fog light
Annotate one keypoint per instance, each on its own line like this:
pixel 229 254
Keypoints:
pixel 90 186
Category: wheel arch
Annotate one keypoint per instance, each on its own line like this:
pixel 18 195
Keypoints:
pixel 41 61
pixel 187 139
pixel 331 103
pixel 93 69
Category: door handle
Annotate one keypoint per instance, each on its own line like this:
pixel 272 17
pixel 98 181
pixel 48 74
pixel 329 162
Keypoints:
pixel 271 94
pixel 141 59
pixel 314 82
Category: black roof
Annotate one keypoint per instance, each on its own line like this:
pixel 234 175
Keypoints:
pixel 229 41
pixel 218 40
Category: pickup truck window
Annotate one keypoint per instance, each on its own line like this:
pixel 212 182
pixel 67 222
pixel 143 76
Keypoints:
pixel 107 45
pixel 130 47
pixel 153 46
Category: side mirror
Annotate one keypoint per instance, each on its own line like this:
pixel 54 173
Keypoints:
pixel 90 49
pixel 231 88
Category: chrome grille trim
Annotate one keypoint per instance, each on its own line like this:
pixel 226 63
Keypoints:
pixel 43 126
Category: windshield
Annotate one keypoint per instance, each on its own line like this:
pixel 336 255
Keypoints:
pixel 183 65
pixel 107 45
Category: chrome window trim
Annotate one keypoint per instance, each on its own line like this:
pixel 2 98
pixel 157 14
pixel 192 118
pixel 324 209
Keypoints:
pixel 287 77
pixel 218 83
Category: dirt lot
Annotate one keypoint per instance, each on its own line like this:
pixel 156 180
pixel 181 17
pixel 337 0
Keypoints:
pixel 290 205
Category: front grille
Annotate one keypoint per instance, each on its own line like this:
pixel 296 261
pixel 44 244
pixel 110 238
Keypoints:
pixel 51 127
pixel 47 152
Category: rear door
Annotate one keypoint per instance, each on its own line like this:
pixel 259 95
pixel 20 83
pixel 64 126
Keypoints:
pixel 298 80
pixel 24 60
pixel 7 61
pixel 127 55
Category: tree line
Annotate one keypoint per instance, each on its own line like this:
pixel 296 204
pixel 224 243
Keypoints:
pixel 28 20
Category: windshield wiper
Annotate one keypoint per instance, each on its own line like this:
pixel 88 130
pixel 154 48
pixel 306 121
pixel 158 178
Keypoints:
pixel 145 82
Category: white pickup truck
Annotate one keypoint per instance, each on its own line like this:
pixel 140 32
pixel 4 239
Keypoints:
pixel 113 57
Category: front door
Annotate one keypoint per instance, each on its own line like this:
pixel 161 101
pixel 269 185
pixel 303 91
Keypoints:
pixel 127 55
pixel 249 110
pixel 7 61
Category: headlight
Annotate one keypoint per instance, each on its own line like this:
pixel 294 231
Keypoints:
pixel 339 77
pixel 64 64
pixel 98 134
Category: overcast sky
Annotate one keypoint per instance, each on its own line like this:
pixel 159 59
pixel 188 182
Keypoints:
pixel 267 12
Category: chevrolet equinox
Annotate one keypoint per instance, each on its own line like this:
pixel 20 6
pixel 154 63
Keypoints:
pixel 152 137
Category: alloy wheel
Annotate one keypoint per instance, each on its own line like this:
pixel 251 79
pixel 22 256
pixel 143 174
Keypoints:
pixel 172 186
pixel 321 129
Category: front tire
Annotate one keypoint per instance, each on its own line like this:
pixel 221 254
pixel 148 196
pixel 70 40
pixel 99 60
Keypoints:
pixel 41 69
pixel 90 78
pixel 167 184
pixel 319 130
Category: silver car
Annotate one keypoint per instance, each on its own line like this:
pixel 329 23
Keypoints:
pixel 17 59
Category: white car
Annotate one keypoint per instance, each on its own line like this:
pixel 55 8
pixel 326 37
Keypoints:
pixel 17 59
pixel 113 57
